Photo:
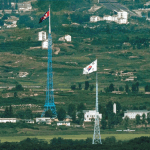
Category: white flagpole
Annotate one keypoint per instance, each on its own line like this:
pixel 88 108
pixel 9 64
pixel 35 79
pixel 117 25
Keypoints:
pixel 49 20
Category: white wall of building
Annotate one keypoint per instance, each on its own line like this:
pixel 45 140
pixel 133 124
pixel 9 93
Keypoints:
pixel 88 115
pixel 65 123
pixel 121 18
pixel 45 44
pixel 42 36
pixel 68 38
pixel 47 120
pixel 132 113
pixel 4 120
pixel 95 18
pixel 122 14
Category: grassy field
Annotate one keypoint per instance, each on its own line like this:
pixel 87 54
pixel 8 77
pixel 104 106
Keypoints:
pixel 122 137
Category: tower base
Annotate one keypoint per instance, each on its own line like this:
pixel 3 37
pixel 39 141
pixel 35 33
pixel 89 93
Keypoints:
pixel 52 107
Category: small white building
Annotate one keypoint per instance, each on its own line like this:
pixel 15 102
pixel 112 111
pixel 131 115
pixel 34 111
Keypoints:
pixel 63 123
pixel 132 113
pixel 4 120
pixel 46 120
pixel 95 18
pixel 25 6
pixel 45 44
pixel 89 114
pixel 65 38
pixel 7 11
pixel 68 118
pixel 61 39
pixel 23 74
pixel 29 120
pixel 42 36
pixel 68 38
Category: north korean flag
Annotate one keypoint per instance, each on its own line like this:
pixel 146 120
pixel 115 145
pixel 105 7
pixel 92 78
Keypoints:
pixel 44 17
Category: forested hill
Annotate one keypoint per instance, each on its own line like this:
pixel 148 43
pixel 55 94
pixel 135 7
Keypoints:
pixel 58 5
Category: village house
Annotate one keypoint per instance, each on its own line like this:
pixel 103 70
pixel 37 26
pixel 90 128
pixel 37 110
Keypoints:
pixel 95 18
pixel 120 18
pixel 68 38
pixel 25 6
pixel 46 120
pixel 28 120
pixel 7 11
pixel 63 123
pixel 68 118
pixel 65 38
pixel 12 120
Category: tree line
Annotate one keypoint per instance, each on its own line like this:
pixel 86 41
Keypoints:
pixel 109 143
pixel 134 88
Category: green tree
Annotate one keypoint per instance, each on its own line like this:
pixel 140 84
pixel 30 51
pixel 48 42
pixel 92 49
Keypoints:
pixel 101 110
pixel 147 88
pixel 103 123
pixel 133 88
pixel 28 114
pixel 109 107
pixel 111 122
pixel 121 88
pixel 118 107
pixel 81 107
pixel 143 118
pixel 91 87
pixel 137 119
pixel 127 88
pixel 73 87
pixel 61 114
pixel 1 22
pixel 111 87
pixel 72 111
pixel 126 122
pixel 8 113
pixel 48 113
pixel 148 118
pixel 80 87
pixel 86 85
pixel 19 87
pixel 137 86
pixel 15 94
pixel 80 118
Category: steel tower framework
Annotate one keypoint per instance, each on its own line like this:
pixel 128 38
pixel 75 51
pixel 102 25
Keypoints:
pixel 49 101
pixel 96 135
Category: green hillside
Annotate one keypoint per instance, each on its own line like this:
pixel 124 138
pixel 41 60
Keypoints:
pixel 117 48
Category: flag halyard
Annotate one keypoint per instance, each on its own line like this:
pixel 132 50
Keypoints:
pixel 90 68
